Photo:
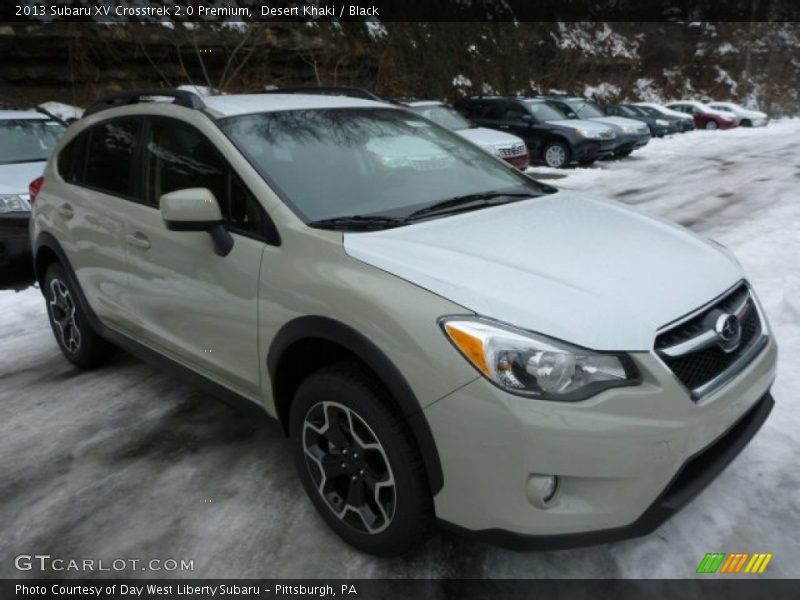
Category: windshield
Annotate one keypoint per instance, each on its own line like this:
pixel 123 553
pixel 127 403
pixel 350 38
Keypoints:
pixel 628 111
pixel 28 140
pixel 650 111
pixel 585 110
pixel 544 112
pixel 444 116
pixel 334 163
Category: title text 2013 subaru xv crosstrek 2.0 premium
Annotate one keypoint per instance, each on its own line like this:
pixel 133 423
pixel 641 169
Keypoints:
pixel 444 339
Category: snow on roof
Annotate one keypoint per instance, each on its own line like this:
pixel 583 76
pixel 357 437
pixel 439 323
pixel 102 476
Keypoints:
pixel 21 114
pixel 424 103
pixel 254 103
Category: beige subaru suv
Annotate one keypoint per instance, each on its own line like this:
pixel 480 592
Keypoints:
pixel 445 340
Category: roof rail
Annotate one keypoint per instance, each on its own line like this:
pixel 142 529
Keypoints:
pixel 183 98
pixel 332 90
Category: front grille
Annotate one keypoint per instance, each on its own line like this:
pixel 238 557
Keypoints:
pixel 514 150
pixel 699 367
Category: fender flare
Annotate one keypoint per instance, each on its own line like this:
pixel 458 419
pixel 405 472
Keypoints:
pixel 330 330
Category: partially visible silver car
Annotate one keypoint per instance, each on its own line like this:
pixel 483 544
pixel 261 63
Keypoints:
pixel 26 139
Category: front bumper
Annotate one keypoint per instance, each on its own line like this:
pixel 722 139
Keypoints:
pixel 521 162
pixel 628 142
pixel 15 243
pixel 590 149
pixel 626 459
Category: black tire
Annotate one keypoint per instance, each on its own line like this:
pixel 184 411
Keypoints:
pixel 746 123
pixel 77 340
pixel 553 148
pixel 623 154
pixel 408 504
pixel 712 125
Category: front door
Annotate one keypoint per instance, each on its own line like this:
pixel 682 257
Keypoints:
pixel 190 303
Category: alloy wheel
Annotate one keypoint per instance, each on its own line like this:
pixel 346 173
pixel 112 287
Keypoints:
pixel 555 156
pixel 349 467
pixel 62 313
pixel 711 125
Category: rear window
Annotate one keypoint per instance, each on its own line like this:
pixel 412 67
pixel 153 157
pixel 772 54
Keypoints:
pixel 28 140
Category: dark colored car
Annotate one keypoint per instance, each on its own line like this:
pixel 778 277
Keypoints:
pixel 631 134
pixel 683 122
pixel 659 126
pixel 549 135
pixel 26 139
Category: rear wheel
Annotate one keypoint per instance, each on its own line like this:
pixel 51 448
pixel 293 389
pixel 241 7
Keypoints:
pixel 746 123
pixel 76 339
pixel 556 155
pixel 712 125
pixel 358 463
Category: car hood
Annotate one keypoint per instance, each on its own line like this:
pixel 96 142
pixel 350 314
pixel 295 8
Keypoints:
pixel 619 122
pixel 569 265
pixel 15 178
pixel 488 137
pixel 582 124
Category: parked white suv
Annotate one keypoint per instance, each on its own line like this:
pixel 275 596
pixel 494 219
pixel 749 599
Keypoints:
pixel 444 339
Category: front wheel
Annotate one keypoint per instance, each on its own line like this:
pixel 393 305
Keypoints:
pixel 746 123
pixel 77 340
pixel 623 153
pixel 557 155
pixel 711 125
pixel 358 463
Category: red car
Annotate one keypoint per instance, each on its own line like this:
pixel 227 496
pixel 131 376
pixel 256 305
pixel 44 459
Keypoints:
pixel 705 117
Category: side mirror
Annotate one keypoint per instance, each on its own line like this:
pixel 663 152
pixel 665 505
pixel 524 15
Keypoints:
pixel 196 209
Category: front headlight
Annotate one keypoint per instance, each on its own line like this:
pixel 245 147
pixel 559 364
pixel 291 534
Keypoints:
pixel 629 129
pixel 536 366
pixel 14 203
pixel 591 135
pixel 662 123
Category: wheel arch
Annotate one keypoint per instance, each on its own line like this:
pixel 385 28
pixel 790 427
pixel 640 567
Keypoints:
pixel 46 251
pixel 321 340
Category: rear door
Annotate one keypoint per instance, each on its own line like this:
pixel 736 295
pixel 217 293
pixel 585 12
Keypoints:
pixel 190 303
pixel 88 217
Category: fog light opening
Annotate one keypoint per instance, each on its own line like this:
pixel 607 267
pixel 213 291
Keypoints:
pixel 542 489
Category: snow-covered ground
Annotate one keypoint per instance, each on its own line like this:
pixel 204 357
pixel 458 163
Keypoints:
pixel 125 462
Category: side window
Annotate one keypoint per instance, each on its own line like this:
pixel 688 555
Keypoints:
pixel 109 152
pixel 177 156
pixel 65 164
pixel 516 114
pixel 494 111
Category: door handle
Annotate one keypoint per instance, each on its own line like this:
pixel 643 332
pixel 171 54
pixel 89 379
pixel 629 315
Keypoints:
pixel 138 240
pixel 65 210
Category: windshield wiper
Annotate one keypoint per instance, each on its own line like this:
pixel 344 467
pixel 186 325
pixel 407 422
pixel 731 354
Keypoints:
pixel 467 202
pixel 360 222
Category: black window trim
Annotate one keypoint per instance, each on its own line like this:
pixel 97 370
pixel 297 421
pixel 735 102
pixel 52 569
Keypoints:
pixel 270 234
pixel 79 159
